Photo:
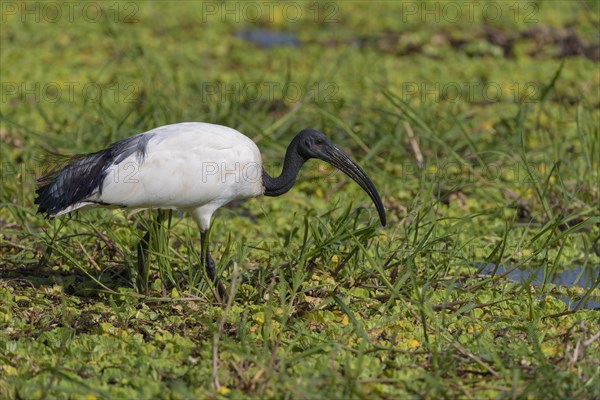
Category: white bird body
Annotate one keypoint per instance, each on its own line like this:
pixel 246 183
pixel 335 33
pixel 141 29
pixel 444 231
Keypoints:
pixel 187 166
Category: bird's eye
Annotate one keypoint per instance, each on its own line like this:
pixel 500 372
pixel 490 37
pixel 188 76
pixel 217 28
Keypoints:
pixel 318 142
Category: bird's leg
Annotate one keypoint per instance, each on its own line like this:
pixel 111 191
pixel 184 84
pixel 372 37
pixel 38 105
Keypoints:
pixel 142 258
pixel 209 266
pixel 142 255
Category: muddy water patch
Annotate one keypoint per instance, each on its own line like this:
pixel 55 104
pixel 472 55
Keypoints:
pixel 579 277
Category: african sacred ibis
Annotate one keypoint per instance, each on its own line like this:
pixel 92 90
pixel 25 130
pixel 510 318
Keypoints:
pixel 192 166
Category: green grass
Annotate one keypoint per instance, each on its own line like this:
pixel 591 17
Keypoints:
pixel 327 303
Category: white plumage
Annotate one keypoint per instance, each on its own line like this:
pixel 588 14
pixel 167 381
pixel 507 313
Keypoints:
pixel 190 166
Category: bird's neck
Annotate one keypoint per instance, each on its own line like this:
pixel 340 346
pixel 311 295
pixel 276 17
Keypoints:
pixel 284 182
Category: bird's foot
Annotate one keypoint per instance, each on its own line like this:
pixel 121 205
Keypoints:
pixel 221 295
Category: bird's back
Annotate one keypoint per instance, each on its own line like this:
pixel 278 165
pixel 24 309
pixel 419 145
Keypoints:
pixel 178 166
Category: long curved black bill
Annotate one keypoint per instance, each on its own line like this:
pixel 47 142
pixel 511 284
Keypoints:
pixel 341 161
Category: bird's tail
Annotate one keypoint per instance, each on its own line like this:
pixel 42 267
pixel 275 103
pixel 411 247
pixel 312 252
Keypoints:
pixel 69 184
pixel 77 181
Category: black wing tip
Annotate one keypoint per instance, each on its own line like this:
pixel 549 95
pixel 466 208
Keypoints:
pixel 45 212
pixel 44 202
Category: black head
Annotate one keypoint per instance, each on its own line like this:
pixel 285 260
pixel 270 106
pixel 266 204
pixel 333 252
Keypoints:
pixel 311 143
